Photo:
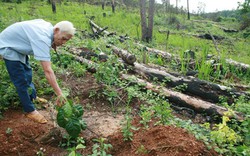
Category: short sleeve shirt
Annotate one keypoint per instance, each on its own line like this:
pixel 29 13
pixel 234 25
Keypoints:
pixel 32 37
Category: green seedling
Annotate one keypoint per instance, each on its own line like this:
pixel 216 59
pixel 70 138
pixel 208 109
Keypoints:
pixel 101 148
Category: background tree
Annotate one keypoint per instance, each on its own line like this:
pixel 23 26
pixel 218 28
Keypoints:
pixel 147 27
pixel 53 5
pixel 188 13
pixel 201 8
pixel 103 4
pixel 113 6
pixel 176 6
pixel 245 14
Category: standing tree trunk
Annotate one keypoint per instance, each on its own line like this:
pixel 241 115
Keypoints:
pixel 113 6
pixel 144 28
pixel 147 29
pixel 176 6
pixel 188 10
pixel 151 19
pixel 53 4
pixel 103 3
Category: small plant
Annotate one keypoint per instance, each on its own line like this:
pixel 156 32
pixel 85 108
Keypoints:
pixel 146 115
pixel 181 88
pixel 127 127
pixel 111 94
pixel 41 152
pixel 78 69
pixel 162 110
pixel 100 148
pixel 224 136
pixel 141 150
pixel 8 131
pixel 80 145
pixel 70 117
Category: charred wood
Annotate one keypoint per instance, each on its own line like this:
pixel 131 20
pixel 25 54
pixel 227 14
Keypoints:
pixel 184 100
pixel 173 96
pixel 199 88
pixel 126 56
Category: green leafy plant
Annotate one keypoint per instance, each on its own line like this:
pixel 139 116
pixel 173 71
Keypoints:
pixel 182 87
pixel 146 115
pixel 70 117
pixel 8 131
pixel 41 152
pixel 80 145
pixel 162 111
pixel 101 148
pixel 141 150
pixel 127 126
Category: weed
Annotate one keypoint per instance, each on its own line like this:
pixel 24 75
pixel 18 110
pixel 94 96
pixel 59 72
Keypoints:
pixel 79 146
pixel 127 126
pixel 100 148
pixel 181 88
pixel 162 110
pixel 146 115
pixel 41 152
pixel 141 150
pixel 8 131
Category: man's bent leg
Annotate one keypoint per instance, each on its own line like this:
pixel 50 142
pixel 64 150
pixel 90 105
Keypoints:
pixel 18 76
pixel 28 71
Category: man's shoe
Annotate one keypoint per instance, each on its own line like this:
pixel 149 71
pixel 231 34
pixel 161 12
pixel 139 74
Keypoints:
pixel 37 117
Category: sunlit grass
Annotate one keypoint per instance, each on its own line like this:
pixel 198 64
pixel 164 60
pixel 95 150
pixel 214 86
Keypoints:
pixel 127 21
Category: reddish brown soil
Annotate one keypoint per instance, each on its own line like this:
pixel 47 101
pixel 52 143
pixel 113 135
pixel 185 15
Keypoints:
pixel 25 135
pixel 24 140
pixel 160 141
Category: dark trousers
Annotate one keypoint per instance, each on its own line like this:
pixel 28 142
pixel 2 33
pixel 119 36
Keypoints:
pixel 21 76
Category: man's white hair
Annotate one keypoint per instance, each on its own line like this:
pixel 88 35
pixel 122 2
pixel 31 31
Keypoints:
pixel 66 26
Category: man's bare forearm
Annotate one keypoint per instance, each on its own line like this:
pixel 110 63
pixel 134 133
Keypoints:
pixel 50 76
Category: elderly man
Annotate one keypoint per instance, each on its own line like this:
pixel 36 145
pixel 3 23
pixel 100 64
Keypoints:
pixel 34 37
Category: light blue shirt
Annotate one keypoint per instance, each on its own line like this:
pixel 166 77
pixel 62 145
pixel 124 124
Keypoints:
pixel 32 37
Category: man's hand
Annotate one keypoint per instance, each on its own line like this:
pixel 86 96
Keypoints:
pixel 60 100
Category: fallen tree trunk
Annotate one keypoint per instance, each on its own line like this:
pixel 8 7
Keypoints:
pixel 192 86
pixel 163 54
pixel 126 56
pixel 184 100
pixel 173 96
pixel 92 24
pixel 169 57
pixel 238 65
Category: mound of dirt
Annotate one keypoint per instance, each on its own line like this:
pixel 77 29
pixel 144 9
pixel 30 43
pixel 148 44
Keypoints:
pixel 21 136
pixel 159 141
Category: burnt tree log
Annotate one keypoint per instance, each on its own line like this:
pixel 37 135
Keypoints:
pixel 169 57
pixel 206 90
pixel 238 65
pixel 163 54
pixel 97 28
pixel 126 56
pixel 88 54
pixel 192 86
pixel 241 66
pixel 176 98
pixel 183 99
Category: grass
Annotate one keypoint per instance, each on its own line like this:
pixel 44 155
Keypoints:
pixel 124 22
